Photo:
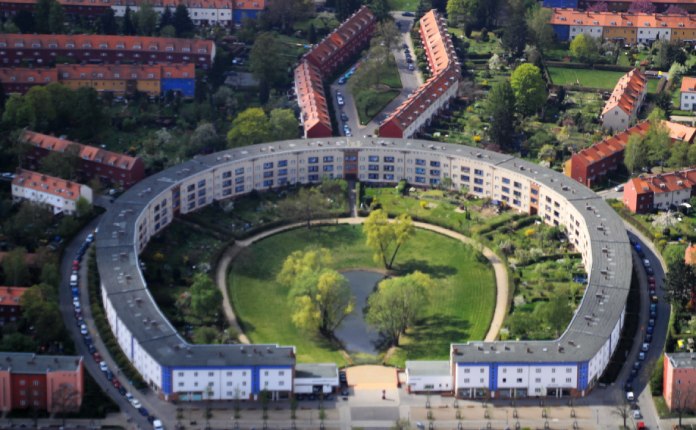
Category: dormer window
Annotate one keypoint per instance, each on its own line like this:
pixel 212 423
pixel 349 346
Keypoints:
pixel 86 45
pixel 120 46
pixel 70 45
pixel 19 44
pixel 53 45
pixel 82 75
pixel 30 79
pixel 202 50
pixel 36 45
pixel 137 47
pixel 117 75
pixel 169 48
pixel 103 45
pixel 66 75
pixel 151 75
pixel 100 75
pixel 3 45
pixel 134 76
pixel 153 47
pixel 185 49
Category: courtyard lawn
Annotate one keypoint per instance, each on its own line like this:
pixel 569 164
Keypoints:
pixel 600 79
pixel 460 309
pixel 403 5
pixel 371 101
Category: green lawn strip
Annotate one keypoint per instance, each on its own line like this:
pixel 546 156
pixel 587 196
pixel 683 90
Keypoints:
pixel 452 315
pixel 369 103
pixel 600 79
pixel 404 5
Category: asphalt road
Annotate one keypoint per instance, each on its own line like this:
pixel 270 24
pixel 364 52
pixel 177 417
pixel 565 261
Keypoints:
pixel 410 81
pixel 66 307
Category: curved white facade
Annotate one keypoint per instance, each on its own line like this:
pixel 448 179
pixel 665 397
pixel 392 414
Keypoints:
pixel 180 370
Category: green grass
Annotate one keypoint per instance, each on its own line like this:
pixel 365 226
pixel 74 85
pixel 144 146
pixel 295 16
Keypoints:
pixel 409 5
pixel 600 79
pixel 451 316
pixel 371 101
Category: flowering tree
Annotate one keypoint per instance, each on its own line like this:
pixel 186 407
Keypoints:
pixel 642 6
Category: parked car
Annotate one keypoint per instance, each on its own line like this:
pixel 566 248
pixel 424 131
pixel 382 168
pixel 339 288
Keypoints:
pixel 341 80
pixel 97 357
pixel 157 425
pixel 641 356
pixel 630 396
pixel 144 412
pixel 637 415
pixel 411 67
pixel 408 14
pixel 619 187
pixel 135 403
pixel 103 367
pixel 650 271
pixel 83 329
pixel 645 347
pixel 344 117
pixel 340 101
pixel 122 390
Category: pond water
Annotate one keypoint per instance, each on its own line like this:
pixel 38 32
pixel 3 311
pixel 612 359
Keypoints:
pixel 354 332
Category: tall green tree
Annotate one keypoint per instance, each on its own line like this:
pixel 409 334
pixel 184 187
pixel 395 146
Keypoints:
pixel 680 283
pixel 40 306
pixel 283 124
pixel 500 108
pixel 584 48
pixel 381 9
pixel 515 30
pixel 345 8
pixel 308 205
pixel 182 21
pixel 461 12
pixel 205 298
pixel 56 18
pixel 398 303
pixel 62 164
pixel 107 22
pixel 167 18
pixel 128 24
pixel 42 11
pixel 285 13
pixel 423 7
pixel 266 64
pixel 24 20
pixel 146 19
pixel 14 267
pixel 248 128
pixel 386 238
pixel 529 88
pixel 540 32
pixel 636 154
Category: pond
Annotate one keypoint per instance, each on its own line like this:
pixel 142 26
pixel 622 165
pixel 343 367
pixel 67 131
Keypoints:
pixel 354 332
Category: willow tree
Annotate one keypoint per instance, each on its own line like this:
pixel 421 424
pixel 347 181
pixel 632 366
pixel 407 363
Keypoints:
pixel 386 237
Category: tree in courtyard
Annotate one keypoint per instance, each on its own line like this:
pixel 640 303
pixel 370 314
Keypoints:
pixel 283 124
pixel 321 296
pixel 205 298
pixel 50 275
pixel 381 9
pixel 167 18
pixel 500 108
pixel 128 24
pixel 248 128
pixel 40 306
pixel 14 266
pixel 83 207
pixel 182 21
pixel 42 11
pixel 529 88
pixel 636 154
pixel 345 8
pixel 309 204
pixel 547 153
pixel 25 22
pixel 385 237
pixel 515 30
pixel 285 13
pixel 657 140
pixel 397 304
pixel 107 22
pixel 540 30
pixel 557 312
pixel 205 139
pixel 680 283
pixel 386 34
pixel 56 18
pixel 206 335
pixel 461 12
pixel 146 19
pixel 62 164
pixel 423 7
pixel 585 48
pixel 266 64
pixel 65 400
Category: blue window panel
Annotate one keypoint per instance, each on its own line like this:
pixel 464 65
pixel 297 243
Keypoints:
pixel 535 191
pixel 313 168
pixel 313 177
pixel 267 166
pixel 389 168
pixel 465 178
pixel 373 167
pixel 434 181
pixel 373 176
pixel 420 170
pixel 201 183
pixel 313 160
pixel 268 174
pixel 506 189
pixel 388 159
pixel 420 179
pixel 282 181
pixel 434 172
pixel 328 159
pixel 227 192
pixel 282 163
pixel 420 162
pixel 373 159
pixel 388 177
pixel 478 172
pixel 506 181
pixel 239 180
pixel 268 183
pixel 239 171
pixel 191 205
pixel 282 172
pixel 478 189
pixel 201 201
pixel 517 202
pixel 478 181
pixel 226 175
pixel 227 183
pixel 329 168
pixel 239 189
pixel 201 193
pixel 434 164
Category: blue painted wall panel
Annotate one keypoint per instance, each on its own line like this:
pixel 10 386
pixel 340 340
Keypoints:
pixel 562 31
pixel 238 15
pixel 187 87
pixel 561 3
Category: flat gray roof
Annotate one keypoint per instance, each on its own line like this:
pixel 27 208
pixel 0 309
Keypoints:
pixel 428 368
pixel 682 360
pixel 24 362
pixel 316 370
pixel 601 307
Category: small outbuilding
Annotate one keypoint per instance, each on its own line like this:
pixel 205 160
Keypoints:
pixel 315 378
pixel 428 376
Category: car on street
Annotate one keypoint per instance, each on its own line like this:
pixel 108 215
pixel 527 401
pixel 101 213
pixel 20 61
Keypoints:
pixel 136 403
pixel 645 347
pixel 341 80
pixel 116 383
pixel 637 415
pixel 641 356
pixel 157 425
pixel 340 101
pixel 409 60
pixel 144 412
pixel 650 330
pixel 97 357
pixel 651 322
pixel 346 130
pixel 121 390
pixel 103 367
pixel 83 329
pixel 649 271
pixel 630 396
pixel 344 117
pixel 411 67
pixel 408 14
pixel 646 262
pixel 91 348
pixel 619 187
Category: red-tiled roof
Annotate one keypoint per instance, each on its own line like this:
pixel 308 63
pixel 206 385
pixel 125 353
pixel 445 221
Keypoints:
pixel 444 65
pixel 199 4
pixel 627 92
pixel 101 42
pixel 690 254
pixel 11 296
pixel 688 84
pixel 665 182
pixel 621 19
pixel 311 97
pixel 342 35
pixel 28 76
pixel 47 184
pixel 86 152
pixel 67 72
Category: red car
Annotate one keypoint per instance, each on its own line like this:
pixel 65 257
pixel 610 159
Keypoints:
pixel 97 357
pixel 76 265
pixel 115 383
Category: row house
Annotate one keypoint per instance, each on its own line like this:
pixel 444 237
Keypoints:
pixel 202 12
pixel 592 165
pixel 109 167
pixel 662 191
pixel 678 380
pixel 10 303
pixel 687 97
pixel 118 79
pixel 621 110
pixel 323 60
pixel 435 94
pixel 623 27
pixel 21 80
pixel 44 49
pixel 41 382
pixel 58 194
pixel 343 43
pixel 314 108
pixel 620 5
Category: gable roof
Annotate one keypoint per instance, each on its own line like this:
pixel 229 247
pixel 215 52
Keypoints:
pixel 23 75
pixel 47 184
pixel 311 97
pixel 621 19
pixel 688 84
pixel 665 182
pixel 627 93
pixel 11 296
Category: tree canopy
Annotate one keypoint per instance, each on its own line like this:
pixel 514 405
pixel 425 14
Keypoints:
pixel 204 299
pixel 252 126
pixel 585 48
pixel 529 88
pixel 515 30
pixel 385 237
pixel 540 30
pixel 500 108
pixel 398 303
pixel 268 63
pixel 680 283
pixel 182 22
pixel 321 296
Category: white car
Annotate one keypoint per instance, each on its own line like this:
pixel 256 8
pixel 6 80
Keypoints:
pixel 646 262
pixel 157 425
pixel 103 367
pixel 129 396
pixel 637 415
pixel 630 396
pixel 136 403
pixel 83 329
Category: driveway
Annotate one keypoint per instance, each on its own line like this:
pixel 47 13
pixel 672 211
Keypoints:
pixel 410 81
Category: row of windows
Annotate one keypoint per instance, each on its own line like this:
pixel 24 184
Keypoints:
pixel 244 373
pixel 538 370
pixel 538 380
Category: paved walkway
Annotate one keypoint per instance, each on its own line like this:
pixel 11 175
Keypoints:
pixel 501 274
